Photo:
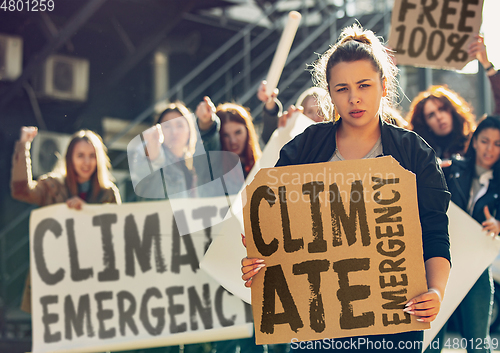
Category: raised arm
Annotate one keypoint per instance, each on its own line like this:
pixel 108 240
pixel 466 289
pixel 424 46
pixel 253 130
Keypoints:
pixel 477 49
pixel 271 111
pixel 22 185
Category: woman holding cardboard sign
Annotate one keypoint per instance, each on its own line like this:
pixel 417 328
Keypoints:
pixel 360 77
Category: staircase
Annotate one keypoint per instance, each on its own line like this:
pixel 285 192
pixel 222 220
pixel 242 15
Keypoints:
pixel 236 69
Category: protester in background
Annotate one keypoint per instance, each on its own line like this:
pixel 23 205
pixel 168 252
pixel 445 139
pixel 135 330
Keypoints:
pixel 361 80
pixel 443 118
pixel 474 183
pixel 208 124
pixel 84 177
pixel 170 145
pixel 237 132
pixel 477 49
pixel 272 112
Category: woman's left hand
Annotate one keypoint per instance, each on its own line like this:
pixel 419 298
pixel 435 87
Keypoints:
pixel 491 224
pixel 425 306
pixel 477 50
pixel 75 202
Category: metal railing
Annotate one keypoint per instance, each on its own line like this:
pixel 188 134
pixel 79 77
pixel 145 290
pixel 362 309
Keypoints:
pixel 177 90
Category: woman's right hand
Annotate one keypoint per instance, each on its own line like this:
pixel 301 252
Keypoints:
pixel 75 203
pixel 250 266
pixel 477 50
pixel 204 112
pixel 153 137
pixel 491 225
pixel 28 133
pixel 265 98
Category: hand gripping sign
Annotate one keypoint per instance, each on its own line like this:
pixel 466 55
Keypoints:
pixel 434 33
pixel 166 163
pixel 342 246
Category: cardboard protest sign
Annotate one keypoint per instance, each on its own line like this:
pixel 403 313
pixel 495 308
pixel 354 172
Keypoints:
pixel 224 265
pixel 116 277
pixel 472 251
pixel 434 33
pixel 342 247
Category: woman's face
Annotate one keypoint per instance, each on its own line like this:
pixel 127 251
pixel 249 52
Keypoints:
pixel 437 117
pixel 487 146
pixel 175 130
pixel 356 90
pixel 234 137
pixel 311 109
pixel 84 161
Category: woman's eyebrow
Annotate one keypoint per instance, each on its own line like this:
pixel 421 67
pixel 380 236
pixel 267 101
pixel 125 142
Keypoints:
pixel 360 81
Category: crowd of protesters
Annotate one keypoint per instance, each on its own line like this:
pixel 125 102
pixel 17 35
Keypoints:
pixel 468 152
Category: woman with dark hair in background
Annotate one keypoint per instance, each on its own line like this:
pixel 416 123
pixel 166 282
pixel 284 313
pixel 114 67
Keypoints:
pixel 237 134
pixel 474 183
pixel 235 131
pixel 444 119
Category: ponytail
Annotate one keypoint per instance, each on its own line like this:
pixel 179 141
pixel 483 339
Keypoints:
pixel 355 44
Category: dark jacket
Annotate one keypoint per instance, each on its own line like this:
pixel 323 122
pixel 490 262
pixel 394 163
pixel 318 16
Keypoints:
pixel 459 177
pixel 270 120
pixel 211 137
pixel 317 144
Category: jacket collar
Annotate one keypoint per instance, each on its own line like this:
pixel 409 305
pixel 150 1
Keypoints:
pixel 461 176
pixel 382 124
